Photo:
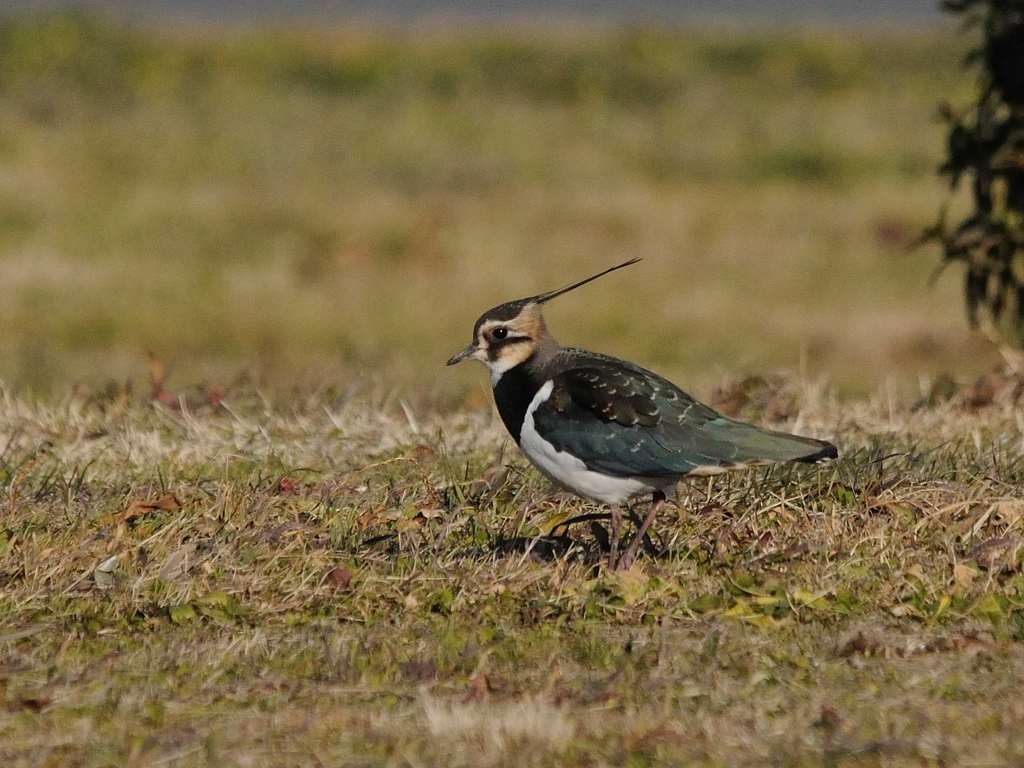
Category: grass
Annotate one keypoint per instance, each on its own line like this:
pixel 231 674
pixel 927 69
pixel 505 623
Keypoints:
pixel 325 551
pixel 334 581
pixel 340 204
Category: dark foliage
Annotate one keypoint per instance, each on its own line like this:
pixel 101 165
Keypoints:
pixel 986 147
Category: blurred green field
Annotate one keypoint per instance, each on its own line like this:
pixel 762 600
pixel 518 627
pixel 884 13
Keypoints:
pixel 310 206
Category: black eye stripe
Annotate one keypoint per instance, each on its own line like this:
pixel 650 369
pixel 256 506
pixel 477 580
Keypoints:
pixel 503 334
pixel 508 340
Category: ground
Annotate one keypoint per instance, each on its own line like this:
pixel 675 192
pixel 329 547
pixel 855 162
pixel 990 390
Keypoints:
pixel 334 581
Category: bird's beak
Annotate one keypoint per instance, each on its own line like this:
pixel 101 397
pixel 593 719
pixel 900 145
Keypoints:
pixel 461 355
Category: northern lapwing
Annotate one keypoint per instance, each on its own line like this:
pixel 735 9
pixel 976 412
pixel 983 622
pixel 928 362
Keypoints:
pixel 606 429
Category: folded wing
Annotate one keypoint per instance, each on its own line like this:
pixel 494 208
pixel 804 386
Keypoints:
pixel 623 420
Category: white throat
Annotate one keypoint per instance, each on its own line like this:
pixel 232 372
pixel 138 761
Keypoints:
pixel 498 369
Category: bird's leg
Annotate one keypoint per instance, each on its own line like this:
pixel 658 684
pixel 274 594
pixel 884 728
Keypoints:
pixel 648 544
pixel 626 561
pixel 613 553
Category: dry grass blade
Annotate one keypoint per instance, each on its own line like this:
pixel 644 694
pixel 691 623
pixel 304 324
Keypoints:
pixel 197 577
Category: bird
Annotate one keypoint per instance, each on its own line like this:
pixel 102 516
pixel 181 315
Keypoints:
pixel 606 429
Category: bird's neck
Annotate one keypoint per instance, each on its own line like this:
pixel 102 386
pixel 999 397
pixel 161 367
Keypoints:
pixel 515 389
pixel 545 350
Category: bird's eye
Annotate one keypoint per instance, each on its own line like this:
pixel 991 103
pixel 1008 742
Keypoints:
pixel 499 333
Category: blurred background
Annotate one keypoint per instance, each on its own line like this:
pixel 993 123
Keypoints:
pixel 298 193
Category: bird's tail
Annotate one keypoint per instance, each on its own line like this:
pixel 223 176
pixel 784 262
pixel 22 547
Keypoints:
pixel 758 445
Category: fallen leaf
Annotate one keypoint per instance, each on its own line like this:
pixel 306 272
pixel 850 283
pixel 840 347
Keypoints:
pixel 369 519
pixel 286 486
pixel 166 503
pixel 339 577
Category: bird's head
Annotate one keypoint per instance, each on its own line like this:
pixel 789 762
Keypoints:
pixel 511 333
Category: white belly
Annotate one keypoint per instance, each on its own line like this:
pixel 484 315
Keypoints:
pixel 566 469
